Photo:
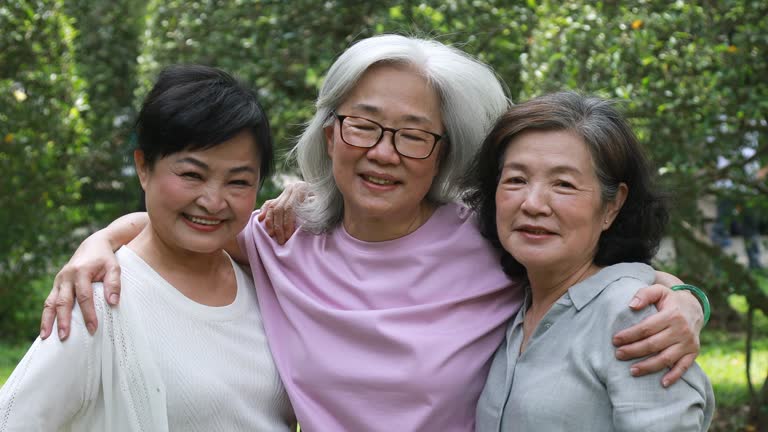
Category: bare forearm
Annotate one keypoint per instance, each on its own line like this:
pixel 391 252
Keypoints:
pixel 123 229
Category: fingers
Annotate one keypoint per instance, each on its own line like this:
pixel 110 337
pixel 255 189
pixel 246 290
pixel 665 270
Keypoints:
pixel 112 285
pixel 653 344
pixel 666 337
pixel 666 279
pixel 642 330
pixel 49 312
pixel 678 370
pixel 262 213
pixel 289 221
pixel 268 204
pixel 673 358
pixel 278 218
pixel 654 364
pixel 648 295
pixel 84 296
pixel 278 213
pixel 63 304
pixel 267 215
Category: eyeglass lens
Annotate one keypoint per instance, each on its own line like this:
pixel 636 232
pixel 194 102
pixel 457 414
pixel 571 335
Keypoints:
pixel 361 132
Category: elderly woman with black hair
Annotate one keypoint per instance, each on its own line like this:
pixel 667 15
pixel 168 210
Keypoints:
pixel 186 349
pixel 563 189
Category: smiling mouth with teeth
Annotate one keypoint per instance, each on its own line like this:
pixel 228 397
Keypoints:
pixel 202 221
pixel 378 181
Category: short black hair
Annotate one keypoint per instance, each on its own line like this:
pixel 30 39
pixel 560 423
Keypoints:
pixel 617 157
pixel 196 107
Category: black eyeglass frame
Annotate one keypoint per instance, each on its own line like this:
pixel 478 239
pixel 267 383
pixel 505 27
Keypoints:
pixel 394 131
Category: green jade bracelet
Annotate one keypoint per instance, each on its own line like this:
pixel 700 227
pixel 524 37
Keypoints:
pixel 696 291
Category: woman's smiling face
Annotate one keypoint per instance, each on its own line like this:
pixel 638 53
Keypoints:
pixel 377 183
pixel 549 210
pixel 199 200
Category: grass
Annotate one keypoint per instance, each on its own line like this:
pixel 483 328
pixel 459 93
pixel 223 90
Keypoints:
pixel 9 357
pixel 722 358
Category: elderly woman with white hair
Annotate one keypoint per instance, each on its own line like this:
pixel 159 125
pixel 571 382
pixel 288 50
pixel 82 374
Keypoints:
pixel 383 312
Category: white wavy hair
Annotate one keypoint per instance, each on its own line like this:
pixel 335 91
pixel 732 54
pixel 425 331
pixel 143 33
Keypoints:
pixel 471 99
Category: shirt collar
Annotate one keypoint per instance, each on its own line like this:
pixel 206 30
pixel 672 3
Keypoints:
pixel 585 291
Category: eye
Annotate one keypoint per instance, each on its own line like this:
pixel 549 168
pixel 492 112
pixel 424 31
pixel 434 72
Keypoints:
pixel 242 183
pixel 363 127
pixel 565 184
pixel 191 175
pixel 515 180
pixel 413 138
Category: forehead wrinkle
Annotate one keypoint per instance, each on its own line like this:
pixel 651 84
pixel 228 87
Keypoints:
pixel 372 109
pixel 558 169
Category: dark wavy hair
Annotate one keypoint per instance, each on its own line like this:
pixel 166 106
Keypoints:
pixel 196 107
pixel 617 157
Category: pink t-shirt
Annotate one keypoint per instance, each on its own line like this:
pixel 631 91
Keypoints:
pixel 383 336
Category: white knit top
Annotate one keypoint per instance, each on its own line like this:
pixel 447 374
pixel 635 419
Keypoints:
pixel 158 362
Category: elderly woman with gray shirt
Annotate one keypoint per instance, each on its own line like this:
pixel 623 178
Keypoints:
pixel 563 188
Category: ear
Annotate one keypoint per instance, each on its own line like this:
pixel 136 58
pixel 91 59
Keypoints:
pixel 441 149
pixel 142 170
pixel 329 131
pixel 614 207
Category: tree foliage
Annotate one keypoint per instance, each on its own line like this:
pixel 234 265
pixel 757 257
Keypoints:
pixel 273 45
pixel 43 136
pixel 106 50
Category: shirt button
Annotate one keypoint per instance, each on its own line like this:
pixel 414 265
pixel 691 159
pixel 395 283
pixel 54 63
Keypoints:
pixel 547 325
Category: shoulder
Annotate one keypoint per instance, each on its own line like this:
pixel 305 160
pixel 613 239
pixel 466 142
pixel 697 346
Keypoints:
pixel 615 298
pixel 616 286
pixel 456 213
pixel 455 219
pixel 244 280
pixel 251 228
pixel 452 232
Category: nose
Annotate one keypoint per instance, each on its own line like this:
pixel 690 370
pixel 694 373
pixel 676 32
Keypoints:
pixel 536 201
pixel 211 199
pixel 384 151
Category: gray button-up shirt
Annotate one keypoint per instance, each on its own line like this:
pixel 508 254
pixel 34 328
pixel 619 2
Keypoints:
pixel 568 378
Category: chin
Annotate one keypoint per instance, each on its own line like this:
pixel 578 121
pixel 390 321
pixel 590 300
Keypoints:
pixel 529 261
pixel 203 248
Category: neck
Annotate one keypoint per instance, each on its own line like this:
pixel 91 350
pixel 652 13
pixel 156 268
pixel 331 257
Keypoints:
pixel 548 285
pixel 174 263
pixel 205 278
pixel 375 229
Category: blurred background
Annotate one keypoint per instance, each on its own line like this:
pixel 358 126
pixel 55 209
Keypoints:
pixel 691 76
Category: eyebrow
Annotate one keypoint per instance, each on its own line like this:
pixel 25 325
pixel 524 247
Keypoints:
pixel 200 164
pixel 371 109
pixel 555 170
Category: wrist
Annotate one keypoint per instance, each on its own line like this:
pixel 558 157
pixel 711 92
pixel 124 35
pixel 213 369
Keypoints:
pixel 124 229
pixel 105 236
pixel 699 295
